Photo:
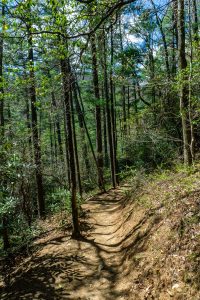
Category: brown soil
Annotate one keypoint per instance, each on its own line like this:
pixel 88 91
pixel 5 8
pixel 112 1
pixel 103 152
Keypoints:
pixel 127 253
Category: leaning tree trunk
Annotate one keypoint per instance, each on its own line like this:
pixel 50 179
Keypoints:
pixel 184 91
pixel 81 116
pixel 82 129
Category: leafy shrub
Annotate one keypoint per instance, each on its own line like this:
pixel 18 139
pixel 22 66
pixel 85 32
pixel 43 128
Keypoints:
pixel 59 200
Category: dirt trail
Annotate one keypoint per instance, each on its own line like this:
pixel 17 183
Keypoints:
pixel 96 268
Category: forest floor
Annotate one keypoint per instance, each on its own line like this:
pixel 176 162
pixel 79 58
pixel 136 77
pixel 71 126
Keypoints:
pixel 141 241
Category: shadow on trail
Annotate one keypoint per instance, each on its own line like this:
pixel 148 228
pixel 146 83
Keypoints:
pixel 70 269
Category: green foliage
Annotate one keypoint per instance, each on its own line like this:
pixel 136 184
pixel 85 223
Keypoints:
pixel 149 149
pixel 59 200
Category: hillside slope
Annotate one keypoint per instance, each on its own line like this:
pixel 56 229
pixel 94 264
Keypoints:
pixel 141 241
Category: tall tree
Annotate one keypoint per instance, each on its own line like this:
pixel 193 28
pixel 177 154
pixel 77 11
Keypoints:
pixel 99 143
pixel 108 114
pixel 34 119
pixel 184 92
pixel 6 242
pixel 67 85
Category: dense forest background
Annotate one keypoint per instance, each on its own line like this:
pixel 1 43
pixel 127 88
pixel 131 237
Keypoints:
pixel 90 92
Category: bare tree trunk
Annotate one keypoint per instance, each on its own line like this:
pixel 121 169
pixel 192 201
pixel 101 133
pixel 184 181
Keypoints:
pixel 28 119
pixel 184 93
pixel 75 144
pixel 191 109
pixel 195 21
pixel 51 140
pixel 151 69
pixel 5 236
pixel 1 74
pixel 82 130
pixel 128 110
pixel 55 142
pixel 98 114
pixel 106 158
pixel 35 134
pixel 65 71
pixel 67 151
pixel 123 89
pixel 174 37
pixel 57 121
pixel 112 108
pixel 108 115
pixel 86 129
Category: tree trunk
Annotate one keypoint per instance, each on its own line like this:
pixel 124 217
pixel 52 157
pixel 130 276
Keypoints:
pixel 65 71
pixel 67 151
pixel 195 21
pixel 184 92
pixel 28 120
pixel 108 116
pixel 35 134
pixel 151 70
pixel 82 130
pixel 112 103
pixel 98 114
pixel 85 126
pixel 193 128
pixel 57 121
pixel 174 38
pixel 6 243
pixel 123 89
pixel 75 144
pixel 1 75
pixel 51 140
